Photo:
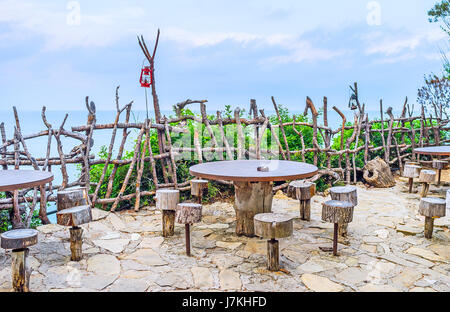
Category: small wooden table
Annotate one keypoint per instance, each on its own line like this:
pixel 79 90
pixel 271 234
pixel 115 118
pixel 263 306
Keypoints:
pixel 14 180
pixel 253 181
pixel 443 150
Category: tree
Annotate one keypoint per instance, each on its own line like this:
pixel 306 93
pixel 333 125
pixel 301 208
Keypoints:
pixel 441 13
pixel 434 96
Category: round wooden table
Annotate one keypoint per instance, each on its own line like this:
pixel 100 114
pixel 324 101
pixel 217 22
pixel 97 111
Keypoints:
pixel 443 150
pixel 14 180
pixel 253 181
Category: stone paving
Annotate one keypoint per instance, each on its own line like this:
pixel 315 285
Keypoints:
pixel 385 251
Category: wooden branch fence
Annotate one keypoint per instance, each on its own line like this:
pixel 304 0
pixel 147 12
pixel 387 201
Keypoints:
pixel 224 138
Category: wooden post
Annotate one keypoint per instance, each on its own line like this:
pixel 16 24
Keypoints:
pixel 411 171
pixel 337 212
pixel 250 199
pixel 168 223
pixel 19 272
pixel 76 241
pixel 439 165
pixel 335 239
pixel 428 231
pixel 431 208
pixel 71 198
pixel 167 201
pixel 426 177
pixel 303 191
pixel 272 226
pixel 188 239
pixel 187 214
pixel 273 255
pixel 344 193
pixel 74 217
pixel 197 188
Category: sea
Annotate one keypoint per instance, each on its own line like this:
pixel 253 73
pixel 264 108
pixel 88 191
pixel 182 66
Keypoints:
pixel 31 122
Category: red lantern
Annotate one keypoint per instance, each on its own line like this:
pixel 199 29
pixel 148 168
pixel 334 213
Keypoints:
pixel 146 77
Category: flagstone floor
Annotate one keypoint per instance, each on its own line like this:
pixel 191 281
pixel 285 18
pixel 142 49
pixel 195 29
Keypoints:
pixel 385 251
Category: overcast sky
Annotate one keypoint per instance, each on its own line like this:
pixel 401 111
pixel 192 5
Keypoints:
pixel 224 51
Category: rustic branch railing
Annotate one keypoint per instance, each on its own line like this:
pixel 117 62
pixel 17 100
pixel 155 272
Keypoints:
pixel 222 138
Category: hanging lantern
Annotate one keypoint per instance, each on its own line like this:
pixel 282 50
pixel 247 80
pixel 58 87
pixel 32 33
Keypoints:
pixel 146 77
pixel 352 102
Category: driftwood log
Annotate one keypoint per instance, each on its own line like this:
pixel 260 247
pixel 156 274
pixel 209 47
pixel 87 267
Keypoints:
pixel 439 165
pixel 251 198
pixel 378 173
pixel 74 217
pixel 344 193
pixel 303 191
pixel 19 241
pixel 187 214
pixel 272 226
pixel 411 171
pixel 71 198
pixel 426 177
pixel 431 208
pixel 167 201
pixel 337 212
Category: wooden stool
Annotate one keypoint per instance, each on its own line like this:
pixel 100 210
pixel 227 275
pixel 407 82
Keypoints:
pixel 71 198
pixel 431 208
pixel 187 214
pixel 411 172
pixel 19 241
pixel 426 177
pixel 414 163
pixel 303 191
pixel 74 217
pixel 344 193
pixel 439 165
pixel 197 189
pixel 273 226
pixel 337 212
pixel 167 201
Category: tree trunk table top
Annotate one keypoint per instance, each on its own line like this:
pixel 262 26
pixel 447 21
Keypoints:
pixel 11 180
pixel 443 150
pixel 247 170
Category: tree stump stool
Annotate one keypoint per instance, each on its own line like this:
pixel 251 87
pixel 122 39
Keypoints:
pixel 303 191
pixel 187 214
pixel 337 212
pixel 344 193
pixel 439 165
pixel 426 177
pixel 415 163
pixel 197 188
pixel 167 201
pixel 74 217
pixel 71 198
pixel 411 172
pixel 19 241
pixel 273 226
pixel 431 208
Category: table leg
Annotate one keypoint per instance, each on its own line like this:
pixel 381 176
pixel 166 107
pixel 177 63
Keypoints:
pixel 251 198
